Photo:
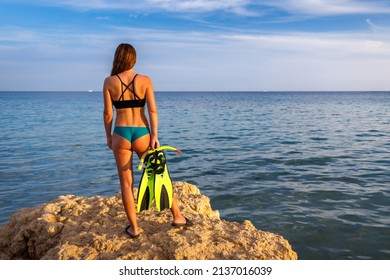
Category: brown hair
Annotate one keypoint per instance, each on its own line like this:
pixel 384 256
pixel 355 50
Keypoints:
pixel 124 59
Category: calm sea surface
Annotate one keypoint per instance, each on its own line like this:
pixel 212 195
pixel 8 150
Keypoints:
pixel 312 167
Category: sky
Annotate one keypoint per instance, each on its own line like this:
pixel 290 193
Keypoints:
pixel 198 45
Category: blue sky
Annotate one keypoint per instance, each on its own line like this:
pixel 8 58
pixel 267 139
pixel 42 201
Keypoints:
pixel 198 45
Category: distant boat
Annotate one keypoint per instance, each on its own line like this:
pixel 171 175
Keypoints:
pixel 90 90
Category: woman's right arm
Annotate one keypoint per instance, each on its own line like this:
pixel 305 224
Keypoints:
pixel 108 112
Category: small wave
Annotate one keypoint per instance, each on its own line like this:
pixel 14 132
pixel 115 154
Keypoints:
pixel 319 138
pixel 310 161
pixel 101 180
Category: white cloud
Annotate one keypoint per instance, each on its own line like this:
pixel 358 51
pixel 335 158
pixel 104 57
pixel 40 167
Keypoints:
pixel 343 44
pixel 196 6
pixel 242 7
pixel 188 6
pixel 331 7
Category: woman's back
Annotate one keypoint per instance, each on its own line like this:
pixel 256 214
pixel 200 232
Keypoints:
pixel 128 92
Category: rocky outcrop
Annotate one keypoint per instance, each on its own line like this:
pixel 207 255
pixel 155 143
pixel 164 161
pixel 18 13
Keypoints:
pixel 73 227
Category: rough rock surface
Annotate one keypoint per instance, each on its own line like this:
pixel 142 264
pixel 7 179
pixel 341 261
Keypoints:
pixel 74 227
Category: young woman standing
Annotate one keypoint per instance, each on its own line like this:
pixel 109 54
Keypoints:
pixel 129 92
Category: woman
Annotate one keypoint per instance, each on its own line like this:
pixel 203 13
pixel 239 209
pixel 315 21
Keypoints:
pixel 128 92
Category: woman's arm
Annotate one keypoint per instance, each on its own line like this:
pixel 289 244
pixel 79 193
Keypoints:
pixel 108 113
pixel 153 116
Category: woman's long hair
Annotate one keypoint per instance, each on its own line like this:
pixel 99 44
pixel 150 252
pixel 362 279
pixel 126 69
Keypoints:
pixel 124 59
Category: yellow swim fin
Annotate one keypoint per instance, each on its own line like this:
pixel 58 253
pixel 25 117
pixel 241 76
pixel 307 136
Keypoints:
pixel 146 188
pixel 155 182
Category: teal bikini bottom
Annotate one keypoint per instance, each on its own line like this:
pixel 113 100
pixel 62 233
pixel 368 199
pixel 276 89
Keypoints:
pixel 131 133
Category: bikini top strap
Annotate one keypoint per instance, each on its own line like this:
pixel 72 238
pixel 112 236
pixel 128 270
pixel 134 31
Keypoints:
pixel 121 97
pixel 128 87
pixel 133 82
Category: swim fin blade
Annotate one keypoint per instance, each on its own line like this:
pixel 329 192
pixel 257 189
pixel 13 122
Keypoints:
pixel 146 188
pixel 163 190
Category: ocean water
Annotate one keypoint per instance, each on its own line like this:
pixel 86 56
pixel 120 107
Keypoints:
pixel 313 167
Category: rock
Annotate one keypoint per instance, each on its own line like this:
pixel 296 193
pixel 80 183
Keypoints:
pixel 73 227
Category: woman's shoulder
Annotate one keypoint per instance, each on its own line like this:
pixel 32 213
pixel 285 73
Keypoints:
pixel 109 80
pixel 143 78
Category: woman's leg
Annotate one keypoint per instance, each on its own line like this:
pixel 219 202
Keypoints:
pixel 175 210
pixel 124 161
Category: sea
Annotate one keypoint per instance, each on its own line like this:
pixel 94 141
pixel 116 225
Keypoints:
pixel 313 167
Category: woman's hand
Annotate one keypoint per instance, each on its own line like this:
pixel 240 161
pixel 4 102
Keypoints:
pixel 109 142
pixel 154 143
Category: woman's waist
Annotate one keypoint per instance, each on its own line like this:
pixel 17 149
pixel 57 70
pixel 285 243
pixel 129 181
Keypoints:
pixel 126 124
pixel 132 122
pixel 130 126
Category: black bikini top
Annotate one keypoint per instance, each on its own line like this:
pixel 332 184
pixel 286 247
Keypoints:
pixel 131 103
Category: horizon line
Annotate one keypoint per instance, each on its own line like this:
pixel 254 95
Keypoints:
pixel 197 91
